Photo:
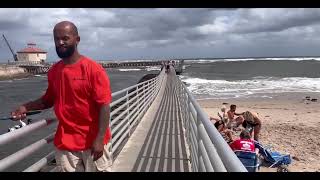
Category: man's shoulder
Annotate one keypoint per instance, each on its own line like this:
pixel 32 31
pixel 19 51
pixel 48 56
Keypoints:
pixel 55 66
pixel 91 63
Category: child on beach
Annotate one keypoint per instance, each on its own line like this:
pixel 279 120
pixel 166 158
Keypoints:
pixel 220 124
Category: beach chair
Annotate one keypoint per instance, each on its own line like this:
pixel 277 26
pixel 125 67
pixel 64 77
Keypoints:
pixel 273 158
pixel 249 160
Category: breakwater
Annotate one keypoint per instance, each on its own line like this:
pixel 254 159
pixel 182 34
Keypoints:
pixel 11 71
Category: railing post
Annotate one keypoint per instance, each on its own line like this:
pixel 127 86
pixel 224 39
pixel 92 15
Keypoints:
pixel 155 88
pixel 138 99
pixel 144 93
pixel 198 121
pixel 128 119
pixel 188 128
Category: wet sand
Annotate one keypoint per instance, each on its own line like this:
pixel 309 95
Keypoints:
pixel 290 125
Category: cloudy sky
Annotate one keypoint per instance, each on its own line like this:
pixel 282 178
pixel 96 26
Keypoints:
pixel 108 34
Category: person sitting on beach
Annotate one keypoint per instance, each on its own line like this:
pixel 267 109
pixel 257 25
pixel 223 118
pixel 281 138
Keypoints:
pixel 231 116
pixel 222 115
pixel 220 124
pixel 245 143
pixel 252 123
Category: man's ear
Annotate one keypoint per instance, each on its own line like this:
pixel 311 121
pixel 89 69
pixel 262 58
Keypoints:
pixel 78 39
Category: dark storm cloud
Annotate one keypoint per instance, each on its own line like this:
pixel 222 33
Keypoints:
pixel 277 20
pixel 133 33
pixel 10 25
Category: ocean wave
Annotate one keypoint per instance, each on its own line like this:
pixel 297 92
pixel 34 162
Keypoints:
pixel 200 61
pixel 6 81
pixel 153 68
pixel 129 70
pixel 248 88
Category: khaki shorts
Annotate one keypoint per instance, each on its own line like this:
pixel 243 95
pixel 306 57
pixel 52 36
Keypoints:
pixel 82 161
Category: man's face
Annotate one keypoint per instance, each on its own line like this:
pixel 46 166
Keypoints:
pixel 65 41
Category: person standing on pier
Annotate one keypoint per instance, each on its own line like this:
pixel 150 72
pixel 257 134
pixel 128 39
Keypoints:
pixel 79 90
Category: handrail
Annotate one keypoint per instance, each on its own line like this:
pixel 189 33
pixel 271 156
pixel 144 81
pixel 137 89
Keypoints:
pixel 130 87
pixel 208 150
pixel 41 163
pixel 23 153
pixel 8 137
pixel 142 99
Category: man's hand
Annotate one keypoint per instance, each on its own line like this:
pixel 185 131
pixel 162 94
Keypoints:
pixel 97 148
pixel 19 114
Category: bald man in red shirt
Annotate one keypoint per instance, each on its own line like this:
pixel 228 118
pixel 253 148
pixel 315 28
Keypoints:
pixel 79 90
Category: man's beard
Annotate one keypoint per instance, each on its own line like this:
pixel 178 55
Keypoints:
pixel 69 51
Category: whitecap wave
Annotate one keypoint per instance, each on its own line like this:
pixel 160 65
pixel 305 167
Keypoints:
pixel 129 70
pixel 153 68
pixel 200 61
pixel 250 88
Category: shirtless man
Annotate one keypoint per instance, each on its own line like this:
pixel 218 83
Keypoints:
pixel 231 116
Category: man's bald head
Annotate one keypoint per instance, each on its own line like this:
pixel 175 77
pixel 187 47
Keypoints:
pixel 66 39
pixel 66 25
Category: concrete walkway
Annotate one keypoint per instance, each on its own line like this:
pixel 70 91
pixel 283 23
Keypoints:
pixel 157 144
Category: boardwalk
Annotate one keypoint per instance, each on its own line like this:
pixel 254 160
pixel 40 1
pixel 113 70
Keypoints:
pixel 158 143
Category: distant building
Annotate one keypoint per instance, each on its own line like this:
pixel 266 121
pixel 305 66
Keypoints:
pixel 32 54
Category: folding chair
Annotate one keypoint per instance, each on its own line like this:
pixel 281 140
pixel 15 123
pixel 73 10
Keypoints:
pixel 249 160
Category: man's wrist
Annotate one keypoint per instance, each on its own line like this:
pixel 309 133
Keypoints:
pixel 100 137
pixel 23 108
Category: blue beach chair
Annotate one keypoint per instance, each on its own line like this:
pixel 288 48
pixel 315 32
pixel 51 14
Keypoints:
pixel 249 160
pixel 273 158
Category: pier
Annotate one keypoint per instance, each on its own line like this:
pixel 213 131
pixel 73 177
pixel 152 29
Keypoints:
pixel 43 68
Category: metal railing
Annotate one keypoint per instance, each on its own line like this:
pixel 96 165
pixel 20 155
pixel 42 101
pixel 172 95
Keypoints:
pixel 25 152
pixel 126 112
pixel 208 150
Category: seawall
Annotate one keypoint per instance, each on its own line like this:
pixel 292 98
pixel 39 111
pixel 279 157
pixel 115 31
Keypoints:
pixel 11 72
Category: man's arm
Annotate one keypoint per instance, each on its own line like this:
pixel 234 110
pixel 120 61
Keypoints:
pixel 98 144
pixel 238 114
pixel 20 112
pixel 36 105
pixel 215 119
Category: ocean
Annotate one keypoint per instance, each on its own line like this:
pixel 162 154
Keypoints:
pixel 251 78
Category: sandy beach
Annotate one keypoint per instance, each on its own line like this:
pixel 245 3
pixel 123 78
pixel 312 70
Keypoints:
pixel 290 125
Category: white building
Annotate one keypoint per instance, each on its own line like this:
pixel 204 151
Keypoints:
pixel 32 54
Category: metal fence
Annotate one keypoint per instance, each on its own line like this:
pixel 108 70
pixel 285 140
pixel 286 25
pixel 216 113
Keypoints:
pixel 208 150
pixel 126 112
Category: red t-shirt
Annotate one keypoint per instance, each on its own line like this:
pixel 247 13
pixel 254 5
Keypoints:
pixel 243 145
pixel 77 91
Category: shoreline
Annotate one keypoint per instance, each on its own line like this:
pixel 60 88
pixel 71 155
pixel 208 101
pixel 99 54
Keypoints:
pixel 289 124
